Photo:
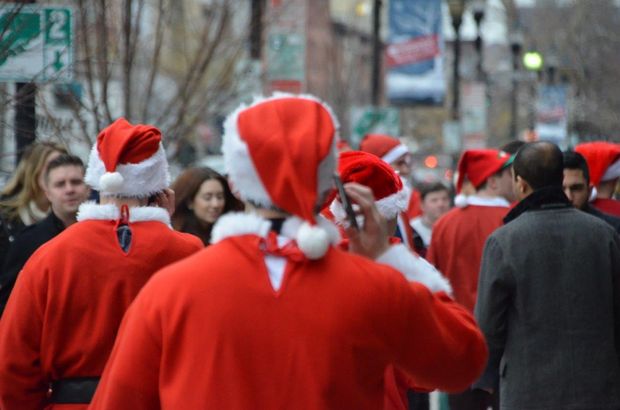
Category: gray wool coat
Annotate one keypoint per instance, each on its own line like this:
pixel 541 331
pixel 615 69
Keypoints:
pixel 549 306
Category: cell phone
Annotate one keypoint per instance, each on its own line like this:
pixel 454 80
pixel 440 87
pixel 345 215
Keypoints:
pixel 152 199
pixel 346 202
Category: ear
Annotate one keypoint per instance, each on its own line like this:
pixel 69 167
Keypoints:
pixel 492 182
pixel 46 192
pixel 522 185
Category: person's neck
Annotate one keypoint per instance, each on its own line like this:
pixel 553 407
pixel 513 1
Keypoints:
pixel 42 203
pixel 487 193
pixel 67 220
pixel 426 221
pixel 130 202
pixel 606 189
pixel 266 213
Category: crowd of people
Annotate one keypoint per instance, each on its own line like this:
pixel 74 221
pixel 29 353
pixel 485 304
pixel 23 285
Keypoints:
pixel 270 288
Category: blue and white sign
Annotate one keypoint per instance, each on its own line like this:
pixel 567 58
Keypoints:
pixel 552 114
pixel 414 54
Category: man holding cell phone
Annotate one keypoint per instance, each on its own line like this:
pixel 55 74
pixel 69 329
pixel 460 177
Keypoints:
pixel 274 314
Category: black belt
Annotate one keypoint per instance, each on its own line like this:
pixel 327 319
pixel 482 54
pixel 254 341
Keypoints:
pixel 78 390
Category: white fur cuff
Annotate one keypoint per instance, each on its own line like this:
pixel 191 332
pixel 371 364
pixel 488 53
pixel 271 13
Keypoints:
pixel 415 268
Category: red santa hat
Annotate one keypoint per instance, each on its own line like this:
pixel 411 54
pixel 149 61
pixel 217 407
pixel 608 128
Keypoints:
pixel 477 165
pixel 603 160
pixel 368 170
pixel 281 152
pixel 385 147
pixel 128 160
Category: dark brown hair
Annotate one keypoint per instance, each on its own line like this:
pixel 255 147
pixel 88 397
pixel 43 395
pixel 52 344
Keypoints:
pixel 540 164
pixel 186 187
pixel 64 160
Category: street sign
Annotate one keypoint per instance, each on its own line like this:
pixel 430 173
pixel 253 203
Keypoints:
pixel 286 60
pixel 36 43
pixel 473 112
pixel 552 114
pixel 378 120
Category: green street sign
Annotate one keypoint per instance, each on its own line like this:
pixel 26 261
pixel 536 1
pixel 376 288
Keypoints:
pixel 366 120
pixel 286 57
pixel 36 43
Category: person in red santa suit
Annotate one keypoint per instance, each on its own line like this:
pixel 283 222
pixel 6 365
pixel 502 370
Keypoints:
pixel 395 153
pixel 603 160
pixel 60 322
pixel 390 199
pixel 459 236
pixel 273 315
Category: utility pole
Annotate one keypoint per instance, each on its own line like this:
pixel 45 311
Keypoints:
pixel 256 28
pixel 516 45
pixel 25 110
pixel 376 51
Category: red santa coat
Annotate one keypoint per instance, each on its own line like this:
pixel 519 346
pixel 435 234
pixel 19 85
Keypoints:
pixel 609 206
pixel 68 302
pixel 458 240
pixel 211 332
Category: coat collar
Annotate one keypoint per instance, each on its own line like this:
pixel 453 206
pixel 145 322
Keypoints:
pixel 544 198
pixel 239 223
pixel 110 212
pixel 462 201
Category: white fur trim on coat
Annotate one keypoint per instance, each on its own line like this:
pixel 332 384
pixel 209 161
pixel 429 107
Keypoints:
pixel 237 223
pixel 110 212
pixel 138 180
pixel 396 152
pixel 238 163
pixel 461 201
pixel 415 268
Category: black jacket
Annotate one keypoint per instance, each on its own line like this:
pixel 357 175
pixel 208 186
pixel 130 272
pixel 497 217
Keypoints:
pixel 22 247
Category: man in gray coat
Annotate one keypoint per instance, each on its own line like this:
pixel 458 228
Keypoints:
pixel 549 297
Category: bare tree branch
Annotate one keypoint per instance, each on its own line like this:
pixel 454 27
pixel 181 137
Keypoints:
pixel 154 66
pixel 103 57
pixel 86 51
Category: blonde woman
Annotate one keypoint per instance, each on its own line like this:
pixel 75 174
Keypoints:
pixel 22 200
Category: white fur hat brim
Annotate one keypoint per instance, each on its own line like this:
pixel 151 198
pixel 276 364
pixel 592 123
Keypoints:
pixel 132 180
pixel 389 207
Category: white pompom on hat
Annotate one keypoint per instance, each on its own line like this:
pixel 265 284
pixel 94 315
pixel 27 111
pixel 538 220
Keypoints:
pixel 128 160
pixel 281 152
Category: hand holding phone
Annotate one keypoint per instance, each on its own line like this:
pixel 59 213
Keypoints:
pixel 371 239
pixel 346 203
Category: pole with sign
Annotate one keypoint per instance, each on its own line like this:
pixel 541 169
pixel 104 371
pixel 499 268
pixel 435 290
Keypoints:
pixel 36 46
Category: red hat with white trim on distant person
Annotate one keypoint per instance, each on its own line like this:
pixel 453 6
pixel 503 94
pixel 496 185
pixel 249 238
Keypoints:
pixel 384 146
pixel 603 160
pixel 368 170
pixel 128 160
pixel 281 152
pixel 477 165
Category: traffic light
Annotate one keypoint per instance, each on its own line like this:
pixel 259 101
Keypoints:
pixel 533 61
pixel 431 161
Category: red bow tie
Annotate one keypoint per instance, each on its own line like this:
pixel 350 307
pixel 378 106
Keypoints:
pixel 290 251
